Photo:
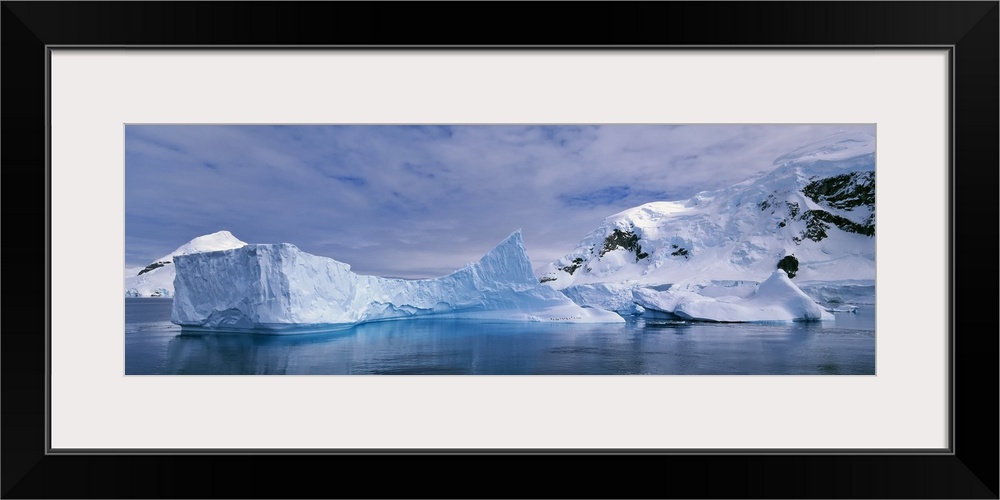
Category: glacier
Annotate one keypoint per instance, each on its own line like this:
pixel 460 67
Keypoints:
pixel 277 288
pixel 776 299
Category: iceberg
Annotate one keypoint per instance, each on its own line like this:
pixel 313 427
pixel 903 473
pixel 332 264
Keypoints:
pixel 277 288
pixel 776 299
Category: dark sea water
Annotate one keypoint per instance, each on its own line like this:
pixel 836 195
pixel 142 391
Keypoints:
pixel 154 346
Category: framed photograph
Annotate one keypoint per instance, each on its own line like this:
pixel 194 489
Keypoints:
pixel 735 249
pixel 712 255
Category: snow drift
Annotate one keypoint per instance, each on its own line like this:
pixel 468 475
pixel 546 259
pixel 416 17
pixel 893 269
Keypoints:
pixel 278 288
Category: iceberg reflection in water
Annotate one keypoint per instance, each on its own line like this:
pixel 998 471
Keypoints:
pixel 420 346
pixel 459 347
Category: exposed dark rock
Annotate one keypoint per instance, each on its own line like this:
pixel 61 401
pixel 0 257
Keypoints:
pixel 623 239
pixel 789 264
pixel 577 262
pixel 844 192
pixel 152 266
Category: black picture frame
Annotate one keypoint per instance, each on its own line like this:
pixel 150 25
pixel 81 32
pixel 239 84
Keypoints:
pixel 968 29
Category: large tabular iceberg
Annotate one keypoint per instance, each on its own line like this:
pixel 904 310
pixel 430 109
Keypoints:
pixel 278 288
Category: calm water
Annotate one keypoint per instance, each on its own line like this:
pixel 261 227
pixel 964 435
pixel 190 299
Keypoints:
pixel 153 345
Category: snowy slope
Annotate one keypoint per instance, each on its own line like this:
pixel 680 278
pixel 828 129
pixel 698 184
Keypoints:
pixel 280 289
pixel 816 203
pixel 157 279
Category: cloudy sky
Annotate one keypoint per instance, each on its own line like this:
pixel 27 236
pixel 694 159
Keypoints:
pixel 422 201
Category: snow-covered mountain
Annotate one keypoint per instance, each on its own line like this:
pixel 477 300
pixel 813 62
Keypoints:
pixel 157 279
pixel 816 204
pixel 281 289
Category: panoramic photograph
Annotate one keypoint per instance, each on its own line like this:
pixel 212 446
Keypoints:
pixel 743 249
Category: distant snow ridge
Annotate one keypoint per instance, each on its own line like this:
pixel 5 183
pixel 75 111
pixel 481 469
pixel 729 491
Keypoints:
pixel 157 279
pixel 818 204
pixel 277 288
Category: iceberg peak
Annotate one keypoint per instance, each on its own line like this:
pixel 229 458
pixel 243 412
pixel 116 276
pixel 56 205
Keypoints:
pixel 512 243
pixel 507 262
